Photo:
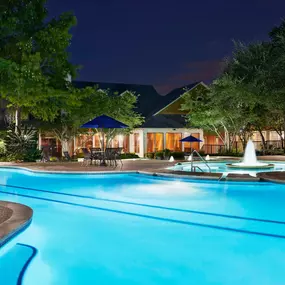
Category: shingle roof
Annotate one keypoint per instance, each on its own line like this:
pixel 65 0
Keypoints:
pixel 164 121
pixel 148 96
pixel 149 102
pixel 172 96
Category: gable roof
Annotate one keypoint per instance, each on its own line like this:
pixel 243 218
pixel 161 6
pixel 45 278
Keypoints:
pixel 149 103
pixel 174 95
pixel 148 96
pixel 164 121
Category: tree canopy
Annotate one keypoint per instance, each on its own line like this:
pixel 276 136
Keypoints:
pixel 35 67
pixel 249 94
pixel 34 62
pixel 92 102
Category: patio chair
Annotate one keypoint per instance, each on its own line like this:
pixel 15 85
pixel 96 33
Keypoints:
pixel 45 155
pixel 110 155
pixel 118 152
pixel 87 156
pixel 66 156
pixel 96 154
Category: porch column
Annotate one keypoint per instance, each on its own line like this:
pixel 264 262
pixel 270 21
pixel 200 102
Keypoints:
pixel 132 143
pixel 141 143
pixel 164 140
pixel 74 144
pixel 184 135
pixel 40 141
pixel 93 141
pixel 121 140
pixel 144 142
pixel 201 132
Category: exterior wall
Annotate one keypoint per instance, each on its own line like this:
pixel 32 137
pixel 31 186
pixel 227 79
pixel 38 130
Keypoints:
pixel 271 137
pixel 185 133
pixel 210 143
pixel 140 134
pixel 174 108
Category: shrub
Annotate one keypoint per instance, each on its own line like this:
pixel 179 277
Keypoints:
pixel 22 144
pixel 166 153
pixel 2 148
pixel 149 155
pixel 178 155
pixel 279 151
pixel 128 155
pixel 80 155
pixel 228 153
pixel 32 155
pixel 53 159
pixel 201 152
pixel 159 155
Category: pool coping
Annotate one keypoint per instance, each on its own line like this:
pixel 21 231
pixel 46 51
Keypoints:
pixel 273 176
pixel 19 220
pixel 162 172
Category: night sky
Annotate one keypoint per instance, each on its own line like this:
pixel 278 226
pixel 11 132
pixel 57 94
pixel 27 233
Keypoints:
pixel 164 43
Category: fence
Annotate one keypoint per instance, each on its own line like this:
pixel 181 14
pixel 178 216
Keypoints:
pixel 213 148
pixel 238 147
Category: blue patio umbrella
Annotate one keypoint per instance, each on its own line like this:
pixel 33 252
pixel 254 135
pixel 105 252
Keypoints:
pixel 190 139
pixel 104 122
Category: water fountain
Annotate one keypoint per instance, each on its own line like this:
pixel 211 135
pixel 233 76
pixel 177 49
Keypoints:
pixel 250 160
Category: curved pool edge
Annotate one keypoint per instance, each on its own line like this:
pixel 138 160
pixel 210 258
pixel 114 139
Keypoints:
pixel 161 172
pixel 68 172
pixel 19 220
pixel 274 176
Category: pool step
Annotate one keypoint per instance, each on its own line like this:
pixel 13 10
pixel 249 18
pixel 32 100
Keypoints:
pixel 14 262
pixel 241 177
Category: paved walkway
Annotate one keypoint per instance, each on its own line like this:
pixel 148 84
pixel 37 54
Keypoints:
pixel 128 165
pixel 154 167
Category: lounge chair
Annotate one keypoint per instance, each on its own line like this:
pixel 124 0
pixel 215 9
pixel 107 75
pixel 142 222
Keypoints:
pixel 45 155
pixel 67 156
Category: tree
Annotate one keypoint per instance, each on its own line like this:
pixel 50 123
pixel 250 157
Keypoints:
pixel 85 104
pixel 249 95
pixel 260 68
pixel 221 111
pixel 33 58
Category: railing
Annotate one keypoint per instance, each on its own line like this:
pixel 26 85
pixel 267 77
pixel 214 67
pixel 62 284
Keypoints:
pixel 193 168
pixel 237 146
pixel 213 148
pixel 272 144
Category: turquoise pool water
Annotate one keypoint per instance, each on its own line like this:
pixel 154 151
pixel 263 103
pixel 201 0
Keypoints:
pixel 221 167
pixel 137 229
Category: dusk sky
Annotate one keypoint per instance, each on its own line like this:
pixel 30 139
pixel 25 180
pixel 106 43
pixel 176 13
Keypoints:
pixel 167 43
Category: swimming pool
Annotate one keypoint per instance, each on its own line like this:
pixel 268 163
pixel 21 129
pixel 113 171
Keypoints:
pixel 221 167
pixel 139 229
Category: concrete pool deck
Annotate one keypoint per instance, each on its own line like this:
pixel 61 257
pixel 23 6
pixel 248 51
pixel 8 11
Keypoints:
pixel 153 167
pixel 14 218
